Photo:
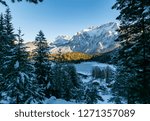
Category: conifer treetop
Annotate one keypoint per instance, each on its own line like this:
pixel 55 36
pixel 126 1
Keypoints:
pixel 4 2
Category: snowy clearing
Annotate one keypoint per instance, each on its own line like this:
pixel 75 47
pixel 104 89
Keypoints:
pixel 86 67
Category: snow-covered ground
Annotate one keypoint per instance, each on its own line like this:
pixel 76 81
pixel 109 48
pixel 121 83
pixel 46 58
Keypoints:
pixel 85 68
pixel 53 100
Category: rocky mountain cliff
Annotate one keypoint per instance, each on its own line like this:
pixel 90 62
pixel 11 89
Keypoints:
pixel 99 39
pixel 93 40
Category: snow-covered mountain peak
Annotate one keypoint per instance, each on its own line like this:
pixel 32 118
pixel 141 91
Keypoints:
pixel 66 37
pixel 61 40
pixel 109 28
pixel 88 29
pixel 95 39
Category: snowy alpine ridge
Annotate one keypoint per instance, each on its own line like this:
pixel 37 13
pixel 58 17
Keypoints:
pixel 99 39
pixel 93 40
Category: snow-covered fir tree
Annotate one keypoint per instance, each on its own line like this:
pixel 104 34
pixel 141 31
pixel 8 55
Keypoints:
pixel 74 78
pixel 71 82
pixel 2 39
pixel 17 71
pixel 42 64
pixel 57 88
pixel 92 93
pixel 57 81
pixel 133 80
pixel 7 38
pixel 98 73
pixel 66 82
pixel 19 80
pixel 109 75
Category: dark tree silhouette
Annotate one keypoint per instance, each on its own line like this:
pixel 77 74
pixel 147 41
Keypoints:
pixel 4 2
pixel 133 80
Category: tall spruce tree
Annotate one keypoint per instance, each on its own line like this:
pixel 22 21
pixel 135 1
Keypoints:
pixel 71 82
pixel 16 69
pixel 92 93
pixel 19 85
pixel 8 24
pixel 9 34
pixel 8 38
pixel 73 75
pixel 133 80
pixel 2 39
pixel 42 64
pixel 57 83
pixel 66 83
pixel 6 47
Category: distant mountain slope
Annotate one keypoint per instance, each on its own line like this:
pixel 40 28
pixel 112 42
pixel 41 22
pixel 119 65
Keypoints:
pixel 30 46
pixel 93 40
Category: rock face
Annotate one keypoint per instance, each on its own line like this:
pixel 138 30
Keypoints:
pixel 93 40
pixel 99 39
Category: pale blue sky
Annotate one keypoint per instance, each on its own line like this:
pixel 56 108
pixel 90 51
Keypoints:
pixel 60 17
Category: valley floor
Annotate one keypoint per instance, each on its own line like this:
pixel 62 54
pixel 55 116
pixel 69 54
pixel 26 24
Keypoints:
pixel 85 69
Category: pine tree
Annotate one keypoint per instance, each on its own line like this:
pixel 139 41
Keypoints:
pixel 9 35
pixel 57 83
pixel 66 83
pixel 31 1
pixel 6 48
pixel 17 70
pixel 92 93
pixel 19 85
pixel 97 73
pixel 134 55
pixel 42 64
pixel 71 82
pixel 73 75
pixel 1 23
pixel 109 74
pixel 2 38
